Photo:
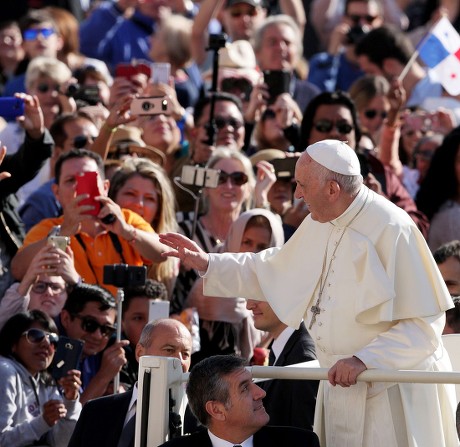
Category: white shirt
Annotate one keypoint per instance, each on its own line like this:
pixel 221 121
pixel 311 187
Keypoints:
pixel 132 405
pixel 280 342
pixel 217 442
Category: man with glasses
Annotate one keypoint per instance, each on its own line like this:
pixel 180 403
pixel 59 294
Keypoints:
pixel 338 68
pixel 89 314
pixel 69 131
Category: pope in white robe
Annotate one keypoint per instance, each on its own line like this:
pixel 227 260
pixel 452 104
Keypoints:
pixel 382 301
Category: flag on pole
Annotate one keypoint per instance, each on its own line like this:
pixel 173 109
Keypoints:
pixel 440 51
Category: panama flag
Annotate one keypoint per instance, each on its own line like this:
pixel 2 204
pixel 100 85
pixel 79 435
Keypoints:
pixel 440 51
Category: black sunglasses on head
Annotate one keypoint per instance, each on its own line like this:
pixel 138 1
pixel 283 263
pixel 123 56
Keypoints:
pixel 35 336
pixel 236 178
pixel 325 126
pixel 91 325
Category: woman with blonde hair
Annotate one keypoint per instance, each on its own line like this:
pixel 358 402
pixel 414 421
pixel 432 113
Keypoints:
pixel 144 187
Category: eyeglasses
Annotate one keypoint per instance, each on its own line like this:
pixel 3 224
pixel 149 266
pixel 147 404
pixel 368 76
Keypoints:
pixel 42 287
pixel 32 33
pixel 269 114
pixel 45 88
pixel 325 126
pixel 80 141
pixel 240 87
pixel 372 113
pixel 236 13
pixel 236 178
pixel 35 336
pixel 91 325
pixel 221 123
pixel 356 18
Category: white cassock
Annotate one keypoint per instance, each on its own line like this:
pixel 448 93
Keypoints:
pixel 383 301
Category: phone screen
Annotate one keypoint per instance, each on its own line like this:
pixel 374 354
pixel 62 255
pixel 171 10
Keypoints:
pixel 277 82
pixel 87 184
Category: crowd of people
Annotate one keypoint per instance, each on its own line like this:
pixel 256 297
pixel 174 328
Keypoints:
pixel 193 117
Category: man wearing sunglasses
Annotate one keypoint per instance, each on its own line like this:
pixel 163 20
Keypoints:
pixel 89 314
pixel 338 68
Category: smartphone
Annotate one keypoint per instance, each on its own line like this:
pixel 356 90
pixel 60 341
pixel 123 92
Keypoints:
pixel 87 184
pixel 278 82
pixel 60 242
pixel 67 357
pixel 127 71
pixel 160 72
pixel 284 167
pixel 158 309
pixel 150 105
pixel 198 176
pixel 11 107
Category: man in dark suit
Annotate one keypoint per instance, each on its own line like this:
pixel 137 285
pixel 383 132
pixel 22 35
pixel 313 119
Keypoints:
pixel 288 402
pixel 104 421
pixel 224 399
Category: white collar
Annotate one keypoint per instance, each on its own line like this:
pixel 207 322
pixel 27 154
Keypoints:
pixel 132 405
pixel 218 442
pixel 280 342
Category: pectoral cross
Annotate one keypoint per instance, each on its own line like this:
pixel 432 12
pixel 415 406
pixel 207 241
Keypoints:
pixel 316 310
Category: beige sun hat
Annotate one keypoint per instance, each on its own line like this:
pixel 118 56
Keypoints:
pixel 127 140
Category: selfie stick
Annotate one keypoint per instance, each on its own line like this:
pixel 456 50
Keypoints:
pixel 120 297
pixel 196 197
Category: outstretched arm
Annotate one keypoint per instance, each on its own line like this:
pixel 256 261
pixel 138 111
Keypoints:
pixel 189 253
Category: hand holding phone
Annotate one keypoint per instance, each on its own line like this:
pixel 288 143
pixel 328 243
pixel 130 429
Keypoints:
pixel 87 184
pixel 277 82
pixel 11 107
pixel 60 242
pixel 67 357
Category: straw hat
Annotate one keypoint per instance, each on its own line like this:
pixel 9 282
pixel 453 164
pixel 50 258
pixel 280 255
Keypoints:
pixel 127 140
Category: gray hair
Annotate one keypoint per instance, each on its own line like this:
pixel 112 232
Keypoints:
pixel 49 67
pixel 207 382
pixel 279 19
pixel 348 183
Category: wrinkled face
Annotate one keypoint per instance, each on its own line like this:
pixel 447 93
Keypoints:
pixel 241 20
pixel 135 318
pixel 228 196
pixel 334 122
pixel 160 131
pixel 170 340
pixel 255 239
pixel 139 194
pixel 35 357
pixel 94 342
pixel 41 40
pixel 229 123
pixel 450 271
pixel 48 294
pixel 245 408
pixel 65 192
pixel 310 188
pixel 279 49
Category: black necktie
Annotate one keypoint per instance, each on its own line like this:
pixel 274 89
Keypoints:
pixel 127 434
pixel 271 358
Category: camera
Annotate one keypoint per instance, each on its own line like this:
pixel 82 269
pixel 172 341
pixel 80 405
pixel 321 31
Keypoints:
pixel 150 105
pixel 198 176
pixel 217 41
pixel 84 94
pixel 355 34
pixel 124 275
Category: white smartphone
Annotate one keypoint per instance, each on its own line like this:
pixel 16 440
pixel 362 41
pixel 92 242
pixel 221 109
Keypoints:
pixel 158 309
pixel 160 72
pixel 60 242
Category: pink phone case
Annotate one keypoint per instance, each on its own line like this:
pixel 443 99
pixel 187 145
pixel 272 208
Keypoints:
pixel 87 184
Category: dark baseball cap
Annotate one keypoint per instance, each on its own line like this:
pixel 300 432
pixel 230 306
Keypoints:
pixel 254 3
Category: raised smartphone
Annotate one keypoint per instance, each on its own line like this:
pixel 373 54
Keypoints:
pixel 160 72
pixel 87 184
pixel 150 105
pixel 11 107
pixel 277 82
pixel 60 242
pixel 127 71
pixel 67 357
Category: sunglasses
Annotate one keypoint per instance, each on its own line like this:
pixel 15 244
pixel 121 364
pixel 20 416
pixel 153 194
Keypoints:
pixel 236 13
pixel 236 178
pixel 356 19
pixel 325 126
pixel 221 123
pixel 238 86
pixel 372 113
pixel 35 336
pixel 91 325
pixel 45 88
pixel 32 33
pixel 80 141
pixel 42 287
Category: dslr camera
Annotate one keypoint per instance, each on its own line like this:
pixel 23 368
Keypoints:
pixel 356 33
pixel 124 275
pixel 84 94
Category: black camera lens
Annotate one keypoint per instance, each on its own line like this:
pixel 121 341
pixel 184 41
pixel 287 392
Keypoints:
pixel 164 105
pixel 146 106
pixel 356 33
pixel 72 90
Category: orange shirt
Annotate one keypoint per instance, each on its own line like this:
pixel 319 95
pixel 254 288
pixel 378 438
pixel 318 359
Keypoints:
pixel 90 260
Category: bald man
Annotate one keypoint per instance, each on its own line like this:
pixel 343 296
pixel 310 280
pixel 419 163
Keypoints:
pixel 103 420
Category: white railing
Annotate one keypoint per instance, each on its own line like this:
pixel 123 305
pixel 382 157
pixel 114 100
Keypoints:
pixel 161 378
